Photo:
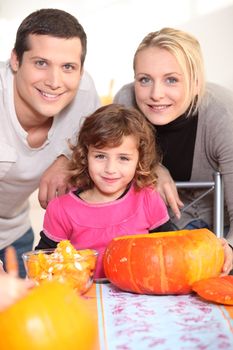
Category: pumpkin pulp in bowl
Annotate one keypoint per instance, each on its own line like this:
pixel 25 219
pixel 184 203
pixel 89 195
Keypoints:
pixel 63 264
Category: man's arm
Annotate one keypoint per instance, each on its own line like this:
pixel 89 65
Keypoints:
pixel 54 181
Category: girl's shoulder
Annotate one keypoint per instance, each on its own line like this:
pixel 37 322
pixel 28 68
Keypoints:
pixel 62 200
pixel 149 193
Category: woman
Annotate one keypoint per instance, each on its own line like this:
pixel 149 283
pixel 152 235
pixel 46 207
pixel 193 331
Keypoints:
pixel 193 122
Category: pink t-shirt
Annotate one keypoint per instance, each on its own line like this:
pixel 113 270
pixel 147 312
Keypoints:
pixel 95 225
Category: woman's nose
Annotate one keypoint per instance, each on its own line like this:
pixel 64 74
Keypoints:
pixel 157 91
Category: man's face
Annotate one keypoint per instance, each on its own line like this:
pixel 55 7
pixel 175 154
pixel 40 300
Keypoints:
pixel 48 77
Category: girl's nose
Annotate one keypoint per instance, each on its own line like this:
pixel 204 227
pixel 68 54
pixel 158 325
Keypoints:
pixel 110 166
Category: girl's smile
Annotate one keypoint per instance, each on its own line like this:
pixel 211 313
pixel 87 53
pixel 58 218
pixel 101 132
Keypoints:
pixel 111 170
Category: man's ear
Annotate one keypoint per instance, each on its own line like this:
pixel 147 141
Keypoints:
pixel 14 62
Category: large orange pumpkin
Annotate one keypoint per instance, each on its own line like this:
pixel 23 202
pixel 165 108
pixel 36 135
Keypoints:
pixel 50 317
pixel 163 263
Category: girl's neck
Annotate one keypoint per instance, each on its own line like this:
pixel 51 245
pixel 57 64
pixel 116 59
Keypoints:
pixel 94 196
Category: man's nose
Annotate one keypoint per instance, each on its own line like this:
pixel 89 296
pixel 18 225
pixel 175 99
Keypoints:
pixel 53 79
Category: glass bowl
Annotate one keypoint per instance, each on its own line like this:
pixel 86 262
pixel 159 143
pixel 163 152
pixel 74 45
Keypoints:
pixel 76 268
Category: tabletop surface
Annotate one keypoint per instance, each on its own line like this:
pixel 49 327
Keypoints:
pixel 128 321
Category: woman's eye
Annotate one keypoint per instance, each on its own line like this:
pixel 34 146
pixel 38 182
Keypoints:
pixel 145 81
pixel 171 80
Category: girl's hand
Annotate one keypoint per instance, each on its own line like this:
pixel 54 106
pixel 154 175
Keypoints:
pixel 12 288
pixel 168 191
pixel 228 254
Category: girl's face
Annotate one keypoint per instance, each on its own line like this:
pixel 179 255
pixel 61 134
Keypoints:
pixel 159 86
pixel 111 169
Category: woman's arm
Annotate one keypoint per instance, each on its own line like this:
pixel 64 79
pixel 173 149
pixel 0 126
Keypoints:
pixel 168 191
pixel 219 141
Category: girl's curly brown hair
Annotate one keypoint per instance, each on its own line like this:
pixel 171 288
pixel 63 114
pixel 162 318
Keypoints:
pixel 106 128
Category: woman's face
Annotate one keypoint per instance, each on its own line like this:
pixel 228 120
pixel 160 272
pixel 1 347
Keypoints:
pixel 159 85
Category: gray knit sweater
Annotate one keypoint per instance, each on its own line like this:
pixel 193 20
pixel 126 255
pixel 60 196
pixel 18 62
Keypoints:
pixel 213 152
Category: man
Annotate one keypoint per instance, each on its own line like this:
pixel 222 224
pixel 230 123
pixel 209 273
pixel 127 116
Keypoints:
pixel 44 92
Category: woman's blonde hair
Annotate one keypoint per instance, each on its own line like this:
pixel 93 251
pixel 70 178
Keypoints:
pixel 187 51
pixel 106 127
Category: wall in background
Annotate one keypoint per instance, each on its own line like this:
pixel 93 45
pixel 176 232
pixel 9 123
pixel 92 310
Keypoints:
pixel 115 28
pixel 214 31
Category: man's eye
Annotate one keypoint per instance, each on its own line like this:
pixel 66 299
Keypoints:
pixel 41 63
pixel 68 67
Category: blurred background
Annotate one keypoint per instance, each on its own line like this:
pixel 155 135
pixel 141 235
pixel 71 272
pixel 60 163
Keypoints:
pixel 114 29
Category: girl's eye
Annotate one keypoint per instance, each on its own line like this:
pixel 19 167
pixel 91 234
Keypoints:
pixel 171 80
pixel 124 158
pixel 99 156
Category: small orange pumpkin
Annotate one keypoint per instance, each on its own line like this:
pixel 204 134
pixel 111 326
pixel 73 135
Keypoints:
pixel 51 316
pixel 163 263
pixel 216 289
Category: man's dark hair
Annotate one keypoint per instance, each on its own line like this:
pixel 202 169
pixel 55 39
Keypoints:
pixel 51 22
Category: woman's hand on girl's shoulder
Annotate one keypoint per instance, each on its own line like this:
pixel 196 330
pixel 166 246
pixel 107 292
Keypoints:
pixel 168 191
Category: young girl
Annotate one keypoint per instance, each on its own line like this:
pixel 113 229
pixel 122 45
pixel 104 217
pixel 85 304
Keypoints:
pixel 114 165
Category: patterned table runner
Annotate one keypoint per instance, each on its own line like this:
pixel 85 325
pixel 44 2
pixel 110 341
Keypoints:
pixel 141 322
